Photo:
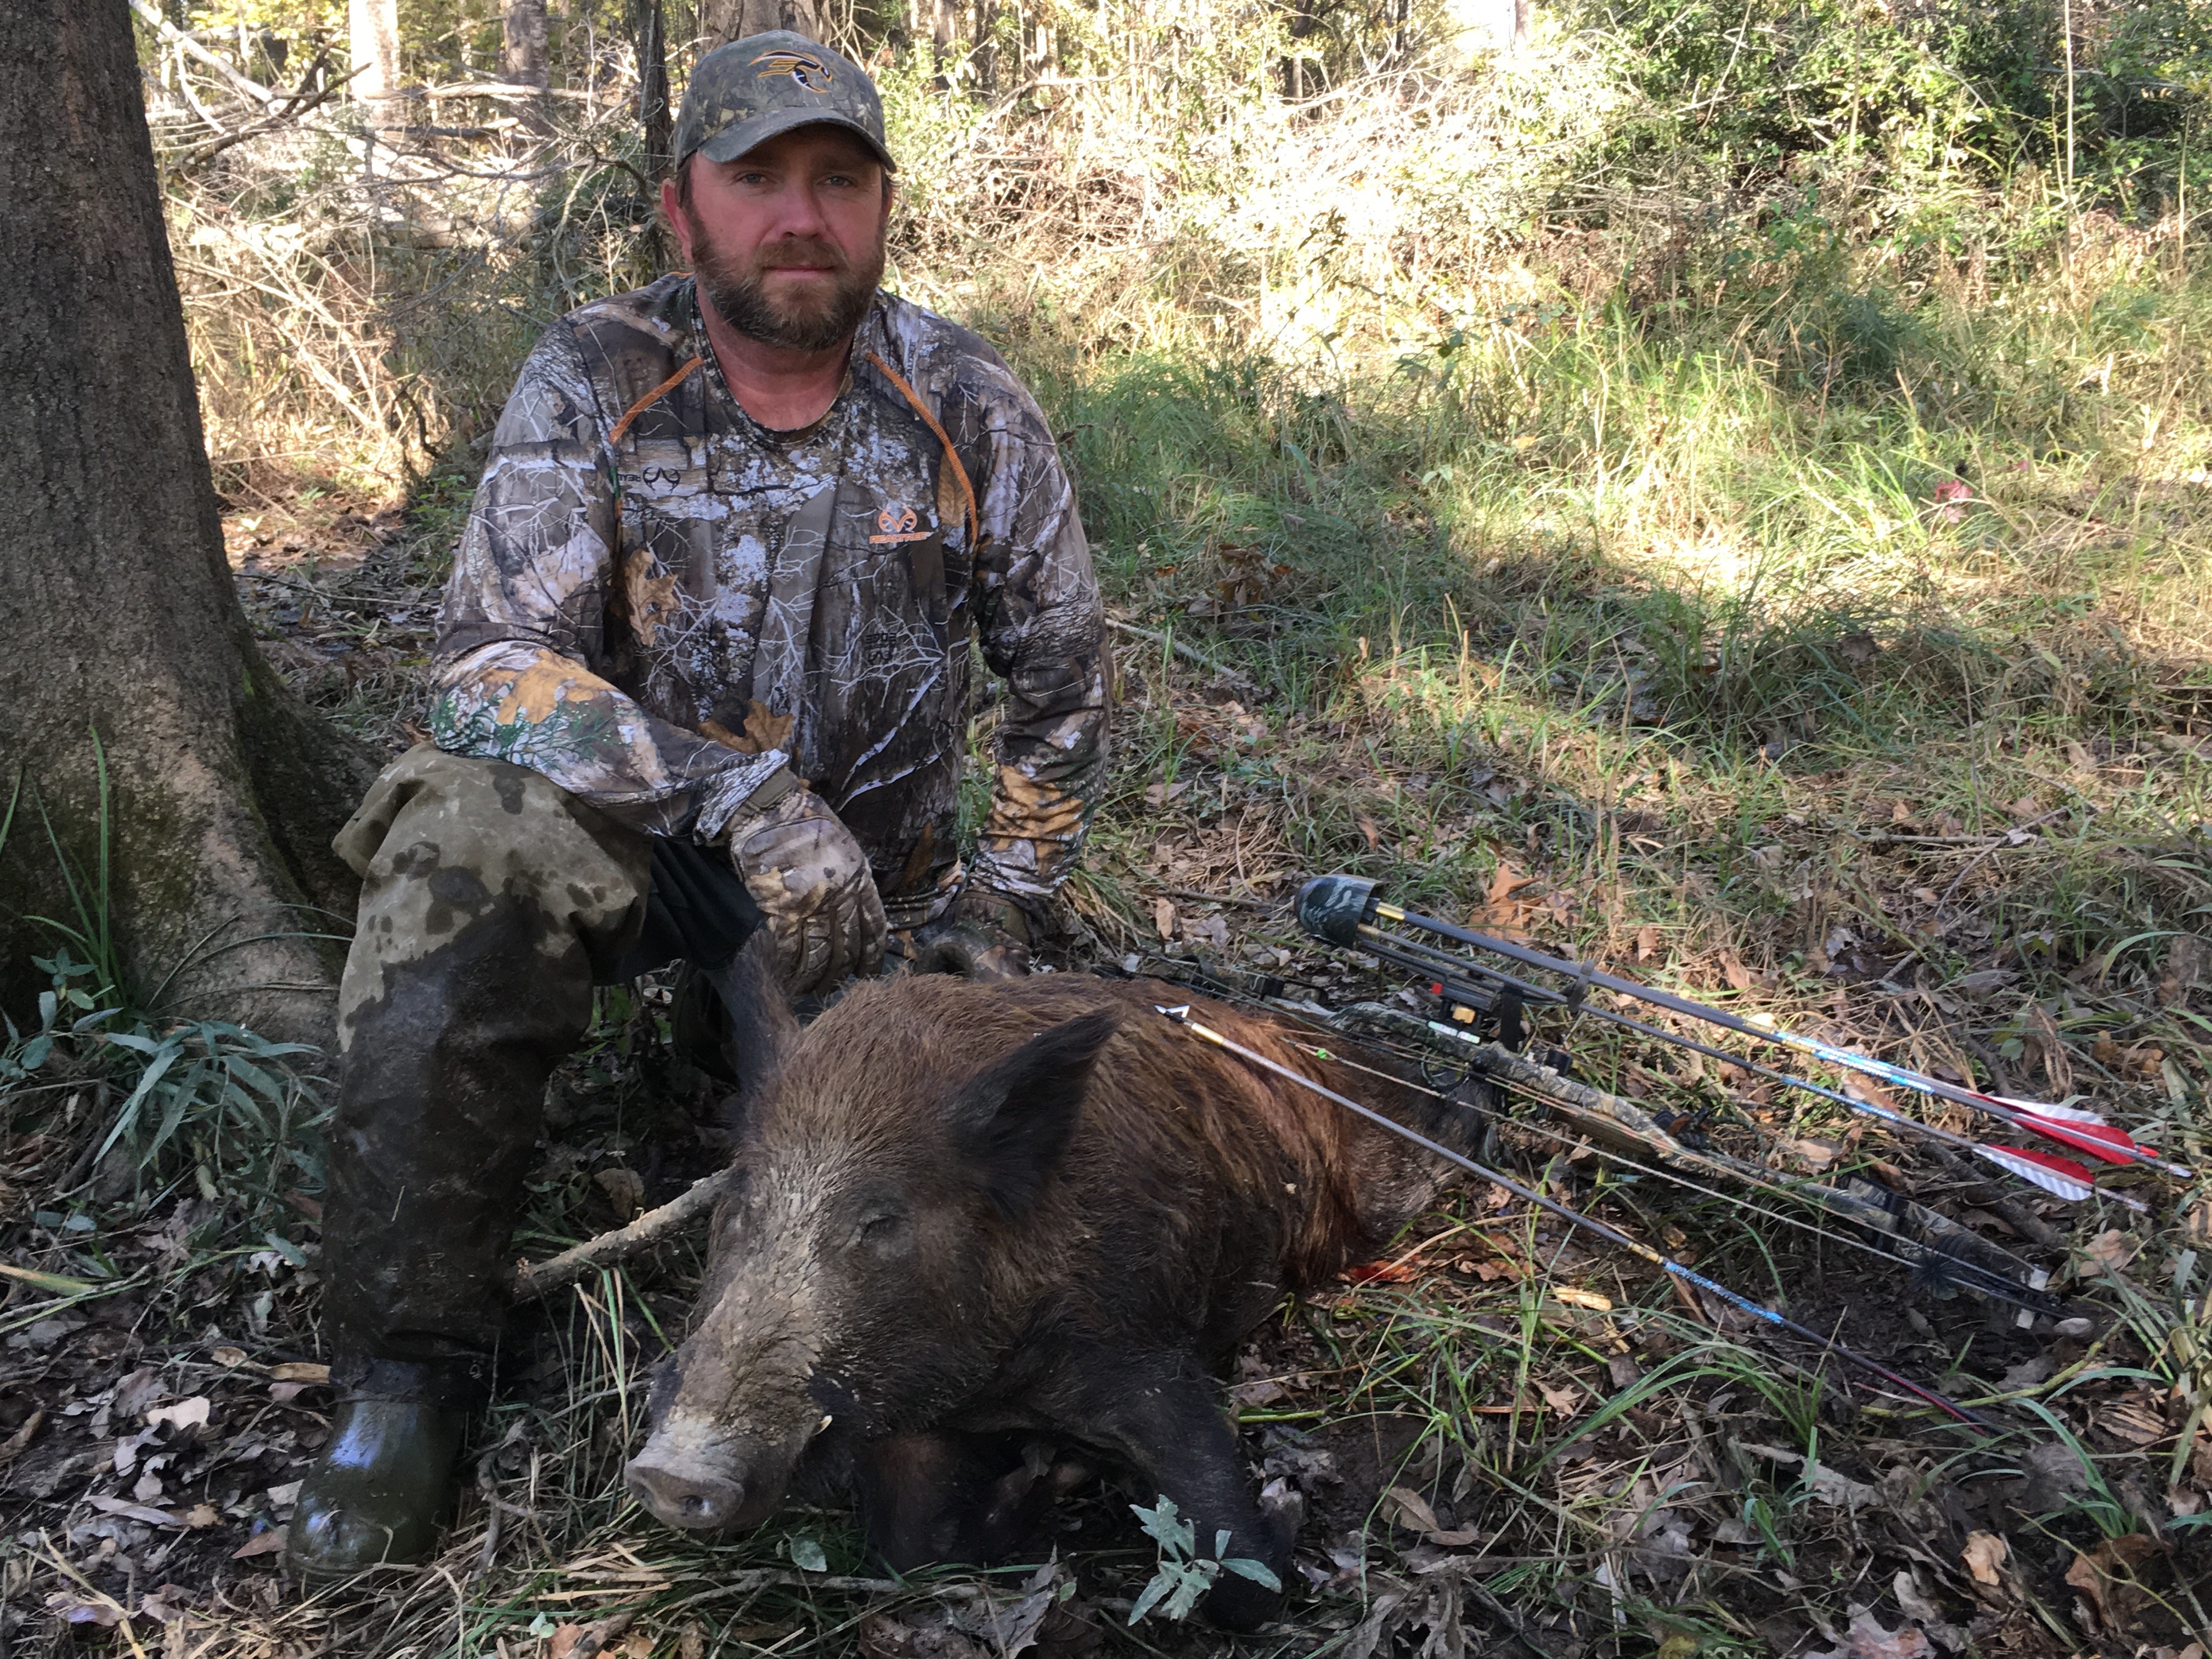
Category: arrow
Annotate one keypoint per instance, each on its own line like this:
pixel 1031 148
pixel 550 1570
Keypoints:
pixel 1337 908
pixel 2053 1174
pixel 1613 1236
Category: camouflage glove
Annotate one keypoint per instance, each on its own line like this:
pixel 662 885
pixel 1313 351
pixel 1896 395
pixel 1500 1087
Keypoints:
pixel 985 935
pixel 811 881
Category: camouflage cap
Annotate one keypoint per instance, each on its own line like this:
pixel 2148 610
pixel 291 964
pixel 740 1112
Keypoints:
pixel 750 91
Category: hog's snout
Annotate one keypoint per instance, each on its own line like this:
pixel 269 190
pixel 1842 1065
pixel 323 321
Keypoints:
pixel 690 1498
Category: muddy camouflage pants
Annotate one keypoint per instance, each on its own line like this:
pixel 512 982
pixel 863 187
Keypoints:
pixel 491 902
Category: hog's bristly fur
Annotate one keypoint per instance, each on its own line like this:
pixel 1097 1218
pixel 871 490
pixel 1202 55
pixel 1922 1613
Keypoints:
pixel 975 1215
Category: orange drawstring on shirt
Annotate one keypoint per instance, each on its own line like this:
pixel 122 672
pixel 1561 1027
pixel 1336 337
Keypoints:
pixel 951 455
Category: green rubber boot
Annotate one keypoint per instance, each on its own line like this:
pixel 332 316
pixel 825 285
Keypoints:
pixel 378 1492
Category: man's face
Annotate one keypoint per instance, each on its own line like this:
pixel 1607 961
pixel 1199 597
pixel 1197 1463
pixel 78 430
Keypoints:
pixel 787 239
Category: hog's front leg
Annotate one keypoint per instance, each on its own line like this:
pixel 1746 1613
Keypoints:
pixel 944 1496
pixel 1166 1423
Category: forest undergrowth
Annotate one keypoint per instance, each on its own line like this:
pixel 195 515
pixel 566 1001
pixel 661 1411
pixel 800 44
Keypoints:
pixel 1772 564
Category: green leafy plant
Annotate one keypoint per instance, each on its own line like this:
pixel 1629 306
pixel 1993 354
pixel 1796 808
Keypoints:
pixel 1184 1576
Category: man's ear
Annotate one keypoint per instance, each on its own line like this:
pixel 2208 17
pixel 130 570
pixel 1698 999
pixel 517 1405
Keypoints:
pixel 763 1028
pixel 672 213
pixel 1013 1121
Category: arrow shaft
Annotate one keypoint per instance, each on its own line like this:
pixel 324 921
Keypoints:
pixel 1445 969
pixel 1576 1217
pixel 1845 1059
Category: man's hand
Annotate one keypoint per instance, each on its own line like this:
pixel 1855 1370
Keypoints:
pixel 984 935
pixel 812 880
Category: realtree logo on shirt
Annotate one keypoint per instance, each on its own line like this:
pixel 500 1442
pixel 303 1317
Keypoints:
pixel 896 524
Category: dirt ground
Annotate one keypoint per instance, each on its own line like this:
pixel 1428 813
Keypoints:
pixel 1499 1440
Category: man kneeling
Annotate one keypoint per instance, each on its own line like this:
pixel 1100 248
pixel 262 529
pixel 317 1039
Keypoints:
pixel 703 667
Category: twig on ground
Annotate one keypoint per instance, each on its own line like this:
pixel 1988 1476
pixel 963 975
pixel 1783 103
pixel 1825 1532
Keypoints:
pixel 1193 894
pixel 1967 867
pixel 558 1272
pixel 1188 653
pixel 2015 1216
pixel 595 1635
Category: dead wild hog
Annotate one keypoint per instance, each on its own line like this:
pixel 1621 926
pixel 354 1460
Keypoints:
pixel 976 1215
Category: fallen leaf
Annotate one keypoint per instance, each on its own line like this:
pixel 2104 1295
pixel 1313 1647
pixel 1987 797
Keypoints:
pixel 11 1447
pixel 691 1641
pixel 185 1414
pixel 1504 882
pixel 2108 1252
pixel 1163 918
pixel 1732 969
pixel 228 1358
pixel 563 1642
pixel 129 1511
pixel 1565 1401
pixel 201 1516
pixel 1873 1094
pixel 2106 1575
pixel 136 1392
pixel 1647 946
pixel 72 1610
pixel 270 1542
pixel 1378 1272
pixel 1260 1391
pixel 165 1604
pixel 2184 968
pixel 2131 1421
pixel 1405 1508
pixel 1984 1553
pixel 1374 833
pixel 637 1645
pixel 1827 1485
pixel 625 1190
pixel 1457 1539
pixel 1867 1639
pixel 296 1370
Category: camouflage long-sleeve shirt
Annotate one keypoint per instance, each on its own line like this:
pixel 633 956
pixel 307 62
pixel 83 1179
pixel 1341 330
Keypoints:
pixel 657 600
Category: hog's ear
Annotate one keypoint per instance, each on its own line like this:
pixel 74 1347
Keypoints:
pixel 762 1028
pixel 1012 1121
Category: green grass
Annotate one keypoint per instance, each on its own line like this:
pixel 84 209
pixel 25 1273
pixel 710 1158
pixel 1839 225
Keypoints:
pixel 1773 569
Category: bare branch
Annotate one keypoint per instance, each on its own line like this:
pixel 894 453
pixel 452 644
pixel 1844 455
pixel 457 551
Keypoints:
pixel 558 1272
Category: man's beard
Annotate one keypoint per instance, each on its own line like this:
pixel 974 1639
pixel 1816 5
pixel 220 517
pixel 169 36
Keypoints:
pixel 739 295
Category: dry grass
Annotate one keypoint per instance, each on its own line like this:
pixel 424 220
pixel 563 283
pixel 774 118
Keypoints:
pixel 1817 625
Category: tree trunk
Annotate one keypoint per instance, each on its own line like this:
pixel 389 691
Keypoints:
pixel 723 20
pixel 649 35
pixel 373 26
pixel 119 611
pixel 523 58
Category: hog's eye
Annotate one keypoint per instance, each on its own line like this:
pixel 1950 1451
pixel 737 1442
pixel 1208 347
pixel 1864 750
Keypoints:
pixel 882 1229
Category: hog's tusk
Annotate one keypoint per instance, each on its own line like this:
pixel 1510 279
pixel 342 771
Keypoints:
pixel 824 1424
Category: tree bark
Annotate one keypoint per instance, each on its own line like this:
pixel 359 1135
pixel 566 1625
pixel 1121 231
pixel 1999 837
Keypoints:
pixel 373 28
pixel 723 20
pixel 523 58
pixel 119 612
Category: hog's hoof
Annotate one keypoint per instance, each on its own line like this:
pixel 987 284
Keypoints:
pixel 691 1500
pixel 1237 1604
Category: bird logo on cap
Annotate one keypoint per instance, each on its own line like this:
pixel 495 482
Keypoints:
pixel 809 71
